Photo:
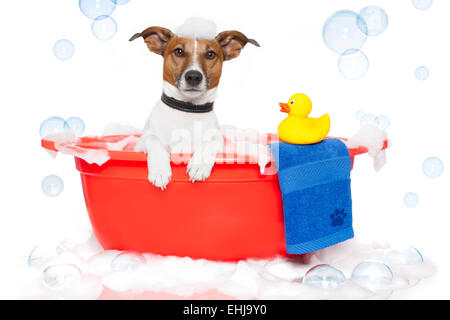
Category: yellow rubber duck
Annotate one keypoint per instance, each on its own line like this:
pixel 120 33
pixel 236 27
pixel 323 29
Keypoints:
pixel 297 128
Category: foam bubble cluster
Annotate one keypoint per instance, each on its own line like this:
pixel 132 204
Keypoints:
pixel 56 125
pixel 103 27
pixel 83 270
pixel 345 32
pixel 371 137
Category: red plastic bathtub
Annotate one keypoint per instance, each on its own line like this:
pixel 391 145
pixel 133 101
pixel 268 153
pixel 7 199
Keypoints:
pixel 235 214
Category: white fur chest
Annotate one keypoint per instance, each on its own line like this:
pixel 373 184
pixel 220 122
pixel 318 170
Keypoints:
pixel 181 132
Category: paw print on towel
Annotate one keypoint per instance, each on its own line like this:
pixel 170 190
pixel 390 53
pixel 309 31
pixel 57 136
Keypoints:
pixel 338 217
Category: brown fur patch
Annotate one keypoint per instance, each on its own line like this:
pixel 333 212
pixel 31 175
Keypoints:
pixel 175 66
pixel 156 38
pixel 233 42
pixel 211 67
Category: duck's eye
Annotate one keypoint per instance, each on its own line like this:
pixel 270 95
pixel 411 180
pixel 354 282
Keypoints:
pixel 211 55
pixel 179 52
pixel 293 101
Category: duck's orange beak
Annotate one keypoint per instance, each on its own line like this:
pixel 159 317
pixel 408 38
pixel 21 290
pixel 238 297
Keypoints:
pixel 285 107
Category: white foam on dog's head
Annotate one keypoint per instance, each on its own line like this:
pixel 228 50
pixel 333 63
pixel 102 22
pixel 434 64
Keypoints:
pixel 197 28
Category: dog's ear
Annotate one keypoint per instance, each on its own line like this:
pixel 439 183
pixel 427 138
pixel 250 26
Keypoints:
pixel 156 38
pixel 232 42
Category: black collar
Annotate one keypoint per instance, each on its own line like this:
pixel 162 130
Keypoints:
pixel 187 106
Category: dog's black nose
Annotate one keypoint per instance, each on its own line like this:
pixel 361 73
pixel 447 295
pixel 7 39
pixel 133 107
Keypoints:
pixel 193 78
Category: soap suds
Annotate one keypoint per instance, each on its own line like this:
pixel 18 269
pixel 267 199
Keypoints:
pixel 197 28
pixel 119 129
pixel 372 138
pixel 97 156
pixel 276 278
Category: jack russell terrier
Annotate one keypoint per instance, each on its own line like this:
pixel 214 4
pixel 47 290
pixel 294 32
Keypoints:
pixel 183 120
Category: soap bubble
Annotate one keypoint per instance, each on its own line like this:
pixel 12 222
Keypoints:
pixel 353 64
pixel 433 167
pixel 422 4
pixel 372 275
pixel 95 8
pixel 43 252
pixel 53 125
pixel 127 261
pixel 383 122
pixel 52 186
pixel 120 2
pixel 359 115
pixel 376 20
pixel 63 49
pixel 342 31
pixel 324 277
pixel 61 276
pixel 422 73
pixel 369 118
pixel 104 28
pixel 77 125
pixel 411 200
pixel 404 256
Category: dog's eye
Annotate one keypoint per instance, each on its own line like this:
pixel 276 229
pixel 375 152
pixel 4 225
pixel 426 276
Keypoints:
pixel 179 52
pixel 293 101
pixel 211 55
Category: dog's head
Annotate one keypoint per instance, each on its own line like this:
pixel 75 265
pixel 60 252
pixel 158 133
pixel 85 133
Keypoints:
pixel 193 65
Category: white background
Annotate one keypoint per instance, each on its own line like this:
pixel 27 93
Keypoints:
pixel 120 81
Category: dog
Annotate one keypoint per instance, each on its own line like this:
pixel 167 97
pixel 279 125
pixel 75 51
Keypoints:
pixel 183 121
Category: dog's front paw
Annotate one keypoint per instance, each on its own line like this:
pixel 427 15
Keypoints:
pixel 199 170
pixel 159 173
pixel 159 170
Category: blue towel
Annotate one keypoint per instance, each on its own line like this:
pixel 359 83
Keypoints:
pixel 315 185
